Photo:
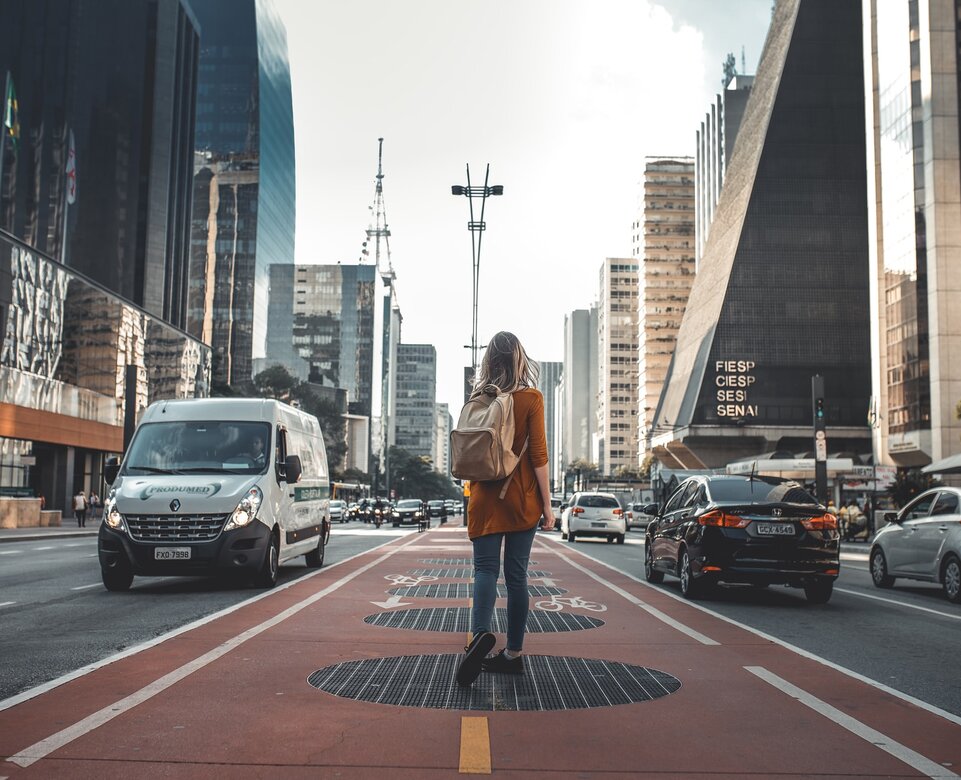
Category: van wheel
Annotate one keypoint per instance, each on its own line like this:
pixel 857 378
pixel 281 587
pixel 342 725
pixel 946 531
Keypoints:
pixel 819 591
pixel 650 573
pixel 267 576
pixel 315 558
pixel 571 537
pixel 620 538
pixel 118 578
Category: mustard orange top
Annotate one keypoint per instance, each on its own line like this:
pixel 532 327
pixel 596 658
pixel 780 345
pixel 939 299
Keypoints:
pixel 522 505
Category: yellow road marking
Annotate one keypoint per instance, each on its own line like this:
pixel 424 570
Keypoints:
pixel 475 747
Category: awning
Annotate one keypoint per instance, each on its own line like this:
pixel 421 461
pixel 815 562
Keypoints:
pixel 949 465
pixel 797 468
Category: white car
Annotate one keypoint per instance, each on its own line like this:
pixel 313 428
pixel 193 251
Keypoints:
pixel 338 511
pixel 922 542
pixel 594 514
pixel 638 517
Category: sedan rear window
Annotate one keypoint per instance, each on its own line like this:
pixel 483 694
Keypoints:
pixel 759 491
pixel 600 502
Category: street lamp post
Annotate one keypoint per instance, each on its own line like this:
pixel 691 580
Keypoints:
pixel 476 229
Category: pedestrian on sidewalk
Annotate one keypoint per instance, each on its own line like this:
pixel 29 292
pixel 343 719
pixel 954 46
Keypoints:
pixel 508 523
pixel 80 509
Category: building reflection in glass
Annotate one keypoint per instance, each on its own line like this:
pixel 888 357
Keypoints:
pixel 66 345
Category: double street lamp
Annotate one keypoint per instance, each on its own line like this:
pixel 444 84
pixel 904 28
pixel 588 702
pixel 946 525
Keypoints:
pixel 476 228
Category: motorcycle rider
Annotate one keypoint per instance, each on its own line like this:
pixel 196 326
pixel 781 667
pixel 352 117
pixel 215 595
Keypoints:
pixel 379 511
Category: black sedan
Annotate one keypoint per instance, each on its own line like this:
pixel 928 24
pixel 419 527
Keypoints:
pixel 756 530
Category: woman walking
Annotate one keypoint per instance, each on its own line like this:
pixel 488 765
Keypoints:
pixel 508 523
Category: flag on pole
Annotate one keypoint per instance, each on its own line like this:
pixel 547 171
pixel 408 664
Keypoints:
pixel 71 170
pixel 11 113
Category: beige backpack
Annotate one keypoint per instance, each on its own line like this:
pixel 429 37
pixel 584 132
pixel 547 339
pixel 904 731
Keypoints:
pixel 481 444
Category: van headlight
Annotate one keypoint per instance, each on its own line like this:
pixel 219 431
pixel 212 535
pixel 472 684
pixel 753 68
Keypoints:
pixel 112 517
pixel 246 510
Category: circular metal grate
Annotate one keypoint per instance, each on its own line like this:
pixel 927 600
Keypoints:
pixel 463 590
pixel 463 573
pixel 459 561
pixel 457 619
pixel 550 683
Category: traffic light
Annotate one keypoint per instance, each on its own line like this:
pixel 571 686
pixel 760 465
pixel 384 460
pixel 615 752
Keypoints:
pixel 818 408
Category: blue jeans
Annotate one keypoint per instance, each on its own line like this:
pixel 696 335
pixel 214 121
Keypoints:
pixel 487 555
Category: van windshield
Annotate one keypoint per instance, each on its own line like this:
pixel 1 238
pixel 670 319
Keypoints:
pixel 200 447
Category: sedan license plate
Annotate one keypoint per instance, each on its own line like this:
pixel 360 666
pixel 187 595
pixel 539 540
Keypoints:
pixel 775 529
pixel 171 553
pixel 598 525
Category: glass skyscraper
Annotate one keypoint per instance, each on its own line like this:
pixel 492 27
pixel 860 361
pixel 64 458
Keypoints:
pixel 244 180
pixel 914 190
pixel 126 111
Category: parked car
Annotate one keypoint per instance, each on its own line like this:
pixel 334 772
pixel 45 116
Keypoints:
pixel 338 511
pixel 438 508
pixel 593 514
pixel 922 542
pixel 744 529
pixel 408 510
pixel 641 515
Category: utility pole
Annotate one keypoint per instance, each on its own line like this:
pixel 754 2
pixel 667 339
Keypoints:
pixel 820 439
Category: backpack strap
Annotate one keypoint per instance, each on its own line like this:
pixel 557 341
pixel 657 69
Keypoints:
pixel 507 482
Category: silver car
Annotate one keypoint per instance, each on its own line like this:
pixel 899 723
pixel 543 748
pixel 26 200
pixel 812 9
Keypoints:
pixel 594 514
pixel 922 542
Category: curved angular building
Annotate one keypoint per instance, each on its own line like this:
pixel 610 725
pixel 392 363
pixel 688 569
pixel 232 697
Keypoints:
pixel 782 291
pixel 244 180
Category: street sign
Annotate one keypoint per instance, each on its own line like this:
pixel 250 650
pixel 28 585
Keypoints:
pixel 820 450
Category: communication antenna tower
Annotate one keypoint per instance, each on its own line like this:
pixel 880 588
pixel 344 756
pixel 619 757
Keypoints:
pixel 743 61
pixel 377 229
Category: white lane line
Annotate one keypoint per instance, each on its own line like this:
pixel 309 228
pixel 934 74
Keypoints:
pixel 898 603
pixel 949 716
pixel 45 747
pixel 84 670
pixel 663 617
pixel 901 752
pixel 6 604
pixel 38 549
pixel 10 552
pixel 84 587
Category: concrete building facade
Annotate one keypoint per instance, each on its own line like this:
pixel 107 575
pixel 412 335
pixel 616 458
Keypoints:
pixel 665 277
pixel 579 386
pixel 715 143
pixel 416 395
pixel 617 390
pixel 911 90
pixel 547 383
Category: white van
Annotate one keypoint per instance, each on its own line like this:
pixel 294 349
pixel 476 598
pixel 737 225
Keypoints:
pixel 216 485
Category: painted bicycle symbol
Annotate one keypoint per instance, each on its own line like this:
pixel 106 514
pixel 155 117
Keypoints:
pixel 557 603
pixel 403 579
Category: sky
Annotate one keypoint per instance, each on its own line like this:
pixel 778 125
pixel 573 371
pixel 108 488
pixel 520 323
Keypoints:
pixel 563 98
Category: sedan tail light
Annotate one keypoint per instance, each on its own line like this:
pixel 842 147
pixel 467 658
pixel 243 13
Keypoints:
pixel 618 511
pixel 722 519
pixel 825 522
pixel 577 511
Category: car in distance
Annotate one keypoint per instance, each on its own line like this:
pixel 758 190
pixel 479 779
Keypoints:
pixel 640 515
pixel 338 511
pixel 744 529
pixel 438 509
pixel 593 514
pixel 922 542
pixel 407 510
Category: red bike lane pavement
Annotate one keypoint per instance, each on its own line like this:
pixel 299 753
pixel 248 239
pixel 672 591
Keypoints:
pixel 231 698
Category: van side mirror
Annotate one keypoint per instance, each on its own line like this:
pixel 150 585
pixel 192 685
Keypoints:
pixel 111 468
pixel 293 469
pixel 650 509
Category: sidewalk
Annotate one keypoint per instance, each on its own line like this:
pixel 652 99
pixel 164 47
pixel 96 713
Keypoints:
pixel 32 534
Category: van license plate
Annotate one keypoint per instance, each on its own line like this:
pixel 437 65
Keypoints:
pixel 775 529
pixel 171 553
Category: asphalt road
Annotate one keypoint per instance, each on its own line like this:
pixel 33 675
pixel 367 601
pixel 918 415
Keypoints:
pixel 906 638
pixel 56 616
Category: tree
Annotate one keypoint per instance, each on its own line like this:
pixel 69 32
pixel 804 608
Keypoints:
pixel 909 483
pixel 412 477
pixel 729 69
pixel 277 382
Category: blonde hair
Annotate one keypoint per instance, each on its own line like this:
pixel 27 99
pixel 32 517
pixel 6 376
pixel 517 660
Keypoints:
pixel 506 365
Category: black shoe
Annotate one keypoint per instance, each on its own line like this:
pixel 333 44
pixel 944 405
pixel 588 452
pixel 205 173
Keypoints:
pixel 501 664
pixel 474 655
